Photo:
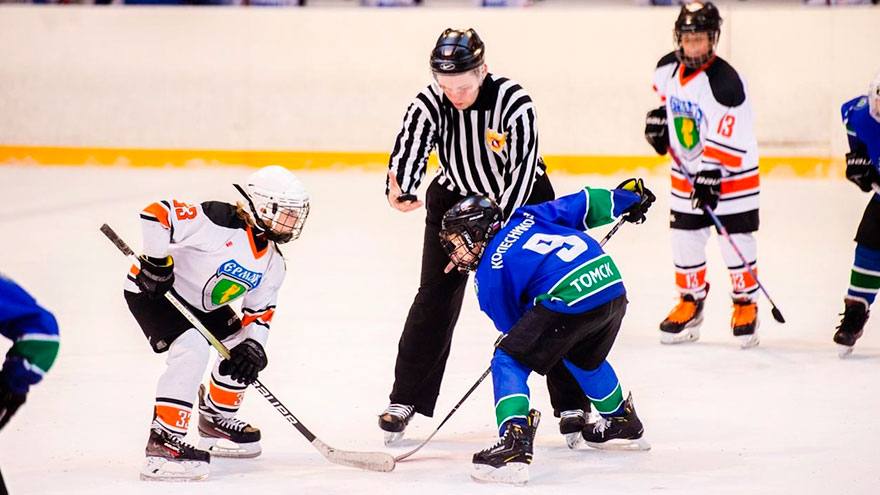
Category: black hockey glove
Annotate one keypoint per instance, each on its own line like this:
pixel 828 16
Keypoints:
pixel 636 213
pixel 656 131
pixel 9 401
pixel 707 188
pixel 245 362
pixel 156 276
pixel 861 171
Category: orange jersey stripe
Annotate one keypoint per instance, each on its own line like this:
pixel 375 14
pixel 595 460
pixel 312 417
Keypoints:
pixel 738 185
pixel 134 270
pixel 257 253
pixel 681 185
pixel 160 213
pixel 265 317
pixel 724 157
pixel 223 397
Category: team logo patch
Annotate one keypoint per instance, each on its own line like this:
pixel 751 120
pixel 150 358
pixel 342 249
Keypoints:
pixel 229 283
pixel 496 140
pixel 687 131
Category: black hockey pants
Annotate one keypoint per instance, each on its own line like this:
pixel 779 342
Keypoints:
pixel 425 341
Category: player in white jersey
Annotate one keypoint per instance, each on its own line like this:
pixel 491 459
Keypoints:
pixel 706 119
pixel 211 255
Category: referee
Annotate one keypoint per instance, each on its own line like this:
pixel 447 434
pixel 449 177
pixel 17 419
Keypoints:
pixel 485 131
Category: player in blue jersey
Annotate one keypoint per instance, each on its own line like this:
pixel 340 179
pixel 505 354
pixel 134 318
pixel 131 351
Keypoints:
pixel 861 116
pixel 34 334
pixel 557 296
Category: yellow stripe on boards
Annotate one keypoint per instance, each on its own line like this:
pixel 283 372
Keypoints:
pixel 808 167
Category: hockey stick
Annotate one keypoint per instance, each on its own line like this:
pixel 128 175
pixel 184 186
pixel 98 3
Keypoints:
pixel 485 373
pixel 373 461
pixel 777 315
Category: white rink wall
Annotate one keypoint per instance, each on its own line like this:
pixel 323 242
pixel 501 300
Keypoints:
pixel 339 79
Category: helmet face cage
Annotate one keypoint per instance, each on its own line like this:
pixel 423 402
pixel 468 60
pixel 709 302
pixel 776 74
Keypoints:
pixel 282 222
pixel 874 98
pixel 697 17
pixel 467 228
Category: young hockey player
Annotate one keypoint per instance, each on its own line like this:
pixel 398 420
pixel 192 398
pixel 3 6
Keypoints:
pixel 706 119
pixel 558 298
pixel 210 255
pixel 485 130
pixel 861 116
pixel 34 333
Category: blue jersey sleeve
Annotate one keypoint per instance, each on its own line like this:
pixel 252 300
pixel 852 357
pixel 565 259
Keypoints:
pixel 847 110
pixel 34 333
pixel 586 209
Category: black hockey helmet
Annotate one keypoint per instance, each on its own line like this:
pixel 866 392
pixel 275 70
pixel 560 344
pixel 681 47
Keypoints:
pixel 457 51
pixel 466 229
pixel 697 17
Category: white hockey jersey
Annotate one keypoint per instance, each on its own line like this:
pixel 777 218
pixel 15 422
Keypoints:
pixel 217 260
pixel 710 124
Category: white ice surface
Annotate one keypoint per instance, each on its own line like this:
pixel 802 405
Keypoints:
pixel 786 417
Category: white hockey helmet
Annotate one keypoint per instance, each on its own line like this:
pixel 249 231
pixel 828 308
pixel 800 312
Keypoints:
pixel 874 98
pixel 278 201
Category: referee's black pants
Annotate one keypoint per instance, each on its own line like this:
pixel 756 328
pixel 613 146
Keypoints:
pixel 427 335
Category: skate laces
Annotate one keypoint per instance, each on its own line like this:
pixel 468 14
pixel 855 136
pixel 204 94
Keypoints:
pixel 402 411
pixel 572 413
pixel 601 425
pixel 231 423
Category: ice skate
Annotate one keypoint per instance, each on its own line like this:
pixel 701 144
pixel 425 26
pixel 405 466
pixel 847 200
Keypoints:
pixel 855 315
pixel 745 322
pixel 571 423
pixel 169 458
pixel 226 437
pixel 394 420
pixel 683 322
pixel 508 460
pixel 617 432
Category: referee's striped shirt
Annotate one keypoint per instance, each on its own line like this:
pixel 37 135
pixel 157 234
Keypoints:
pixel 490 148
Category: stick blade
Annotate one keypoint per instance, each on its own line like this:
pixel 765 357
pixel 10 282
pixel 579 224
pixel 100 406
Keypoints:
pixel 371 461
pixel 777 315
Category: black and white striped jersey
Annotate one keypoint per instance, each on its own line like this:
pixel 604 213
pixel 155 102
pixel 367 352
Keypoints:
pixel 490 148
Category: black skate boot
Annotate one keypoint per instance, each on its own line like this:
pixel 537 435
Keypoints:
pixel 394 420
pixel 508 460
pixel 855 315
pixel 169 458
pixel 683 322
pixel 571 423
pixel 617 432
pixel 226 437
pixel 745 322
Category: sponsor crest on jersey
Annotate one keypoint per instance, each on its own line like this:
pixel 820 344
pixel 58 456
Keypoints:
pixel 229 283
pixel 687 117
pixel 496 140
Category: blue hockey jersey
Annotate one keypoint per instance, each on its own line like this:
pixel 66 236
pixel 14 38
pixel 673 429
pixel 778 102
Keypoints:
pixel 862 130
pixel 34 333
pixel 543 256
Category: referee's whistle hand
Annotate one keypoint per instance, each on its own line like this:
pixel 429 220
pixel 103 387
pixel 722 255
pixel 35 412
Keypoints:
pixel 394 192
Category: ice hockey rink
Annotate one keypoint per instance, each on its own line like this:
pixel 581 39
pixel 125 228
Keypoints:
pixel 786 417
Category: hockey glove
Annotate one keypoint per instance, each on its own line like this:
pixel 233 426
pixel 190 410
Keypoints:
pixel 9 401
pixel 861 171
pixel 156 276
pixel 245 362
pixel 656 131
pixel 636 213
pixel 707 188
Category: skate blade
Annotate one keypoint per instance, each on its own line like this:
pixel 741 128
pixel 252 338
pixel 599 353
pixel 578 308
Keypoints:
pixel 515 473
pixel 393 437
pixel 843 351
pixel 161 469
pixel 574 440
pixel 748 341
pixel 691 334
pixel 622 444
pixel 221 447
